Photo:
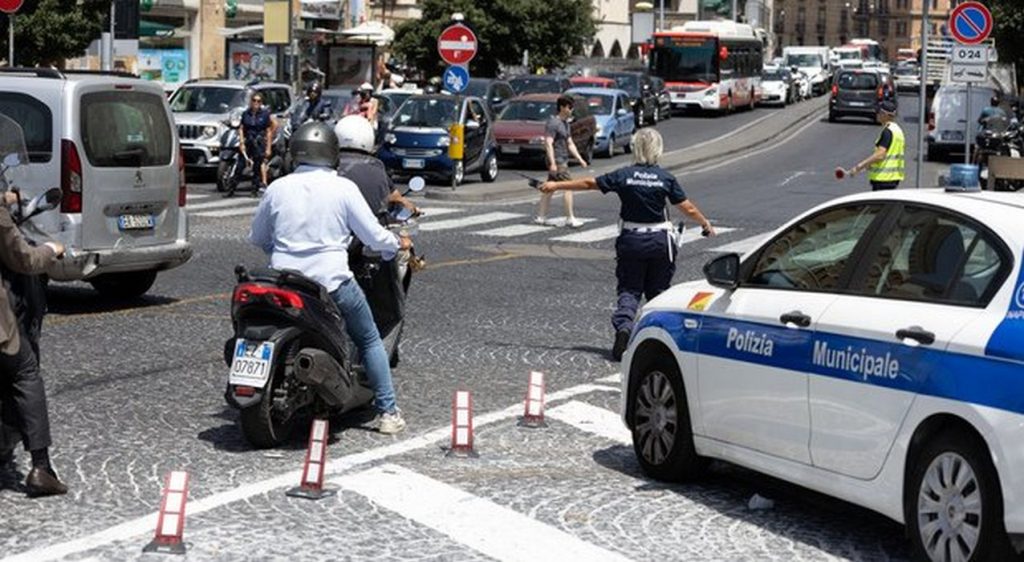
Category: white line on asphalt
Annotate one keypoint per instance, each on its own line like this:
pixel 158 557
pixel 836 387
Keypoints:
pixel 521 229
pixel 592 235
pixel 484 526
pixel 721 138
pixel 197 196
pixel 147 523
pixel 614 378
pixel 439 211
pixel 742 246
pixel 592 419
pixel 222 203
pixel 779 143
pixel 471 220
pixel 244 211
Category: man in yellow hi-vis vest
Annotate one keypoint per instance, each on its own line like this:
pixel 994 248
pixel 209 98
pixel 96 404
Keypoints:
pixel 886 165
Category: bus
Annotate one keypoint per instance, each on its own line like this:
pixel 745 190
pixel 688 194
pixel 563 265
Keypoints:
pixel 709 65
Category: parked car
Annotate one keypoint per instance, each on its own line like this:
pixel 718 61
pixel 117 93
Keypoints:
pixel 664 98
pixel 418 142
pixel 108 141
pixel 948 117
pixel 539 84
pixel 855 93
pixel 520 128
pixel 646 105
pixel 202 108
pixel 614 117
pixel 496 93
pixel 777 87
pixel 591 82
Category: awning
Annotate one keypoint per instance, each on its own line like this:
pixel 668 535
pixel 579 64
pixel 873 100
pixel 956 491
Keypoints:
pixel 148 28
pixel 371 32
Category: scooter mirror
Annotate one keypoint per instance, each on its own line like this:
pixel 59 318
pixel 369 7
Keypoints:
pixel 51 199
pixel 12 160
pixel 417 184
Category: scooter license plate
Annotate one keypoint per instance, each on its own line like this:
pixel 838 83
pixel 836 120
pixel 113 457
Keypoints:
pixel 252 363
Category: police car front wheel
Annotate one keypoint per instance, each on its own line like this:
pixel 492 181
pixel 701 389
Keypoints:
pixel 662 433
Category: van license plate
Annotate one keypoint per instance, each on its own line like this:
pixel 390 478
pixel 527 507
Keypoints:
pixel 414 163
pixel 251 364
pixel 135 222
pixel 953 136
pixel 509 149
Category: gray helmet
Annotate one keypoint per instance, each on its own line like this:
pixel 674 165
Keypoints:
pixel 314 144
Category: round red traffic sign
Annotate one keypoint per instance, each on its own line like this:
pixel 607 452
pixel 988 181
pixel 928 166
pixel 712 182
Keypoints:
pixel 10 6
pixel 457 44
pixel 970 23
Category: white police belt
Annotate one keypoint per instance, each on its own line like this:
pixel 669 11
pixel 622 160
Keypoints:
pixel 627 226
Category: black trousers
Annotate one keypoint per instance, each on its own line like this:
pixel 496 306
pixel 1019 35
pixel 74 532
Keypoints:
pixel 645 266
pixel 23 399
pixel 884 185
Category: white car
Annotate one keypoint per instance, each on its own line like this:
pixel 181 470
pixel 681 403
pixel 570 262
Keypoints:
pixel 870 349
pixel 775 87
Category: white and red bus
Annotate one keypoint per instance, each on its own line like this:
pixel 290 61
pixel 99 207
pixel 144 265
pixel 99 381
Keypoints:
pixel 709 65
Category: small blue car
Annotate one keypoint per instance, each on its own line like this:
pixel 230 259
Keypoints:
pixel 615 120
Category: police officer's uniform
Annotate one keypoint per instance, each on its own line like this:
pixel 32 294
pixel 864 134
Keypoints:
pixel 888 173
pixel 256 125
pixel 645 248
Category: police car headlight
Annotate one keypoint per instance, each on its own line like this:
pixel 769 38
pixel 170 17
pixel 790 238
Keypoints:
pixel 390 138
pixel 537 140
pixel 210 131
pixel 444 141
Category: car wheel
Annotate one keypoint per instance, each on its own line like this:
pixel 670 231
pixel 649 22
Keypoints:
pixel 628 147
pixel 458 173
pixel 123 285
pixel 610 153
pixel 953 504
pixel 662 434
pixel 489 173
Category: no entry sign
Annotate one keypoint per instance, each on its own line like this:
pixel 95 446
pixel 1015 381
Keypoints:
pixel 457 44
pixel 970 23
pixel 10 6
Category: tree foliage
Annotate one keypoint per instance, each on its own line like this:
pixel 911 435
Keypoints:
pixel 50 31
pixel 1009 32
pixel 552 31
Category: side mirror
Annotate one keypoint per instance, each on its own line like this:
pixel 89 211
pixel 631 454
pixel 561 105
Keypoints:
pixel 50 199
pixel 12 160
pixel 723 271
pixel 417 184
pixel 472 125
pixel 622 112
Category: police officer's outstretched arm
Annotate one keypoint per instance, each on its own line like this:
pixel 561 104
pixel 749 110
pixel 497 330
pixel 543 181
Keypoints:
pixel 18 255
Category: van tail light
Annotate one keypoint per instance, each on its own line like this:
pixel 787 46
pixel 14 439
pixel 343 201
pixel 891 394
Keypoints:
pixel 281 298
pixel 70 178
pixel 931 120
pixel 182 187
pixel 835 90
pixel 880 92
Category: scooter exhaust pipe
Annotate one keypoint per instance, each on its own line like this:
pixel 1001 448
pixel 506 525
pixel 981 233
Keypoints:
pixel 319 370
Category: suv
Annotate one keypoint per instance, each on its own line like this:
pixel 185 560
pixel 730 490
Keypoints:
pixel 201 107
pixel 856 93
pixel 108 141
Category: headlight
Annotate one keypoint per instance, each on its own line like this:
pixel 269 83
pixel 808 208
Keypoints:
pixel 537 140
pixel 390 139
pixel 600 129
pixel 210 131
pixel 444 141
pixel 711 92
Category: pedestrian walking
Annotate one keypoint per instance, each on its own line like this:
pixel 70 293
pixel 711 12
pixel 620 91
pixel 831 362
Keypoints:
pixel 645 250
pixel 558 146
pixel 885 166
pixel 257 135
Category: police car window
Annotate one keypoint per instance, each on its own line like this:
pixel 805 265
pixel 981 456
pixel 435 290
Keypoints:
pixel 935 257
pixel 812 255
pixel 36 122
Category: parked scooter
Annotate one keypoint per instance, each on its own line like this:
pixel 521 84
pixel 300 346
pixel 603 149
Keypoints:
pixel 233 168
pixel 999 135
pixel 290 357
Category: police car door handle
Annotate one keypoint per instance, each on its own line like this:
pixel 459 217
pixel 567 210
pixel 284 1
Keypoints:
pixel 917 334
pixel 795 318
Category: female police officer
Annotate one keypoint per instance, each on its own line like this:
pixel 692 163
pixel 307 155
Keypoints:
pixel 644 249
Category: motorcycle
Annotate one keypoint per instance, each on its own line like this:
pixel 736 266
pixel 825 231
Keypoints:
pixel 998 136
pixel 290 358
pixel 233 168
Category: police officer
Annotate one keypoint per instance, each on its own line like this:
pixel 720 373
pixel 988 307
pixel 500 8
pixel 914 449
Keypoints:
pixel 257 136
pixel 885 166
pixel 645 248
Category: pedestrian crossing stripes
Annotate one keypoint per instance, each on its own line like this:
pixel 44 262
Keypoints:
pixel 471 220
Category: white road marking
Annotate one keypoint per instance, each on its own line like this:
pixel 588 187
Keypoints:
pixel 242 211
pixel 231 202
pixel 197 196
pixel 720 138
pixel 614 378
pixel 439 211
pixel 514 230
pixel 742 246
pixel 732 161
pixel 592 235
pixel 495 531
pixel 472 220
pixel 592 419
pixel 147 523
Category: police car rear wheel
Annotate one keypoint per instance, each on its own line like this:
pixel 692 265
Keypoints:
pixel 662 434
pixel 954 506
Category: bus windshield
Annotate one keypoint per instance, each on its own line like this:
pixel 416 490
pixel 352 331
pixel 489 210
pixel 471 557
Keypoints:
pixel 685 60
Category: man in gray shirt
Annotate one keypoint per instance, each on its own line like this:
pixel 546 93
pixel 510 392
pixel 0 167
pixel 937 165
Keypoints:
pixel 558 147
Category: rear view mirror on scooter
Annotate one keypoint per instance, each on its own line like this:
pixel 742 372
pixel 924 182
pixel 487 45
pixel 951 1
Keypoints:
pixel 12 160
pixel 46 201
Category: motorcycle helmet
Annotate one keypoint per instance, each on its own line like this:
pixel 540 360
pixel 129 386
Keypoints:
pixel 355 133
pixel 314 144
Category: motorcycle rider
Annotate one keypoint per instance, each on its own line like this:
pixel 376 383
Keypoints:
pixel 357 163
pixel 305 222
pixel 317 107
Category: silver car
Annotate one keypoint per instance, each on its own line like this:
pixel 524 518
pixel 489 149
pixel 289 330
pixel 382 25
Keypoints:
pixel 108 141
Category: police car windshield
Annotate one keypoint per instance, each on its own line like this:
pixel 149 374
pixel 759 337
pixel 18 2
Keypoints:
pixel 528 111
pixel 427 112
pixel 207 99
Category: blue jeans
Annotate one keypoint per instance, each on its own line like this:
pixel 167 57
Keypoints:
pixel 361 328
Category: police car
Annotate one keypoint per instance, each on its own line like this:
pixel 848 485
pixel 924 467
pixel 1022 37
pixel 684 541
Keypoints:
pixel 871 349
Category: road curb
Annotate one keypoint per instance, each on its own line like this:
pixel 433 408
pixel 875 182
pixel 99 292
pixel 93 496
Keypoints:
pixel 512 190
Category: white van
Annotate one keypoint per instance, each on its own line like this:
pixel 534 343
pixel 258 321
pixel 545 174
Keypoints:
pixel 948 118
pixel 812 61
pixel 108 141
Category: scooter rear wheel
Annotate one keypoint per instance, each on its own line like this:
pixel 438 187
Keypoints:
pixel 261 427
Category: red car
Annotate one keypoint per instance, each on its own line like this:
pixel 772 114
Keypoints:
pixel 520 127
pixel 591 82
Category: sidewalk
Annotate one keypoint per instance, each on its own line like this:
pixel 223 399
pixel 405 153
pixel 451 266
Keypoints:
pixel 752 135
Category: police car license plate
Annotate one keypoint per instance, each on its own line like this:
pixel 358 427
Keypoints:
pixel 252 363
pixel 136 222
pixel 414 163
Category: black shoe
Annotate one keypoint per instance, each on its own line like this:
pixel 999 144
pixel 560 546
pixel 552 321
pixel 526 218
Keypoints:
pixel 621 343
pixel 43 482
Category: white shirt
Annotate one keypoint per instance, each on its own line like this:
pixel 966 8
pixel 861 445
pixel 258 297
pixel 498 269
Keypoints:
pixel 306 220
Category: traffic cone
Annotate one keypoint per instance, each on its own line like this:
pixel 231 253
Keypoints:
pixel 462 426
pixel 533 417
pixel 312 486
pixel 170 524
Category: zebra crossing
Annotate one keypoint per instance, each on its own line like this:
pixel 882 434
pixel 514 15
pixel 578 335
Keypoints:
pixel 505 225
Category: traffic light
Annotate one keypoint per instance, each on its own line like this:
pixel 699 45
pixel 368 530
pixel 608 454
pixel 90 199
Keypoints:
pixel 231 8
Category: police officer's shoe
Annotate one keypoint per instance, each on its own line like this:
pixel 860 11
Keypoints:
pixel 42 481
pixel 621 343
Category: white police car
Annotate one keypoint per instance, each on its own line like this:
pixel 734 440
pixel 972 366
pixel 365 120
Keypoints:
pixel 872 349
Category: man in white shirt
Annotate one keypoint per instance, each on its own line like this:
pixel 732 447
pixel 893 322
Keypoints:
pixel 305 222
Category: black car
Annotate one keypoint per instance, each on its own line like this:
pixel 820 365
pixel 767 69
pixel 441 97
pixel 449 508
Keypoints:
pixel 856 93
pixel 540 84
pixel 646 105
pixel 495 93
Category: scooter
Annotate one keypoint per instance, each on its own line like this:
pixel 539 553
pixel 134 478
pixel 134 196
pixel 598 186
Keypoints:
pixel 233 168
pixel 998 136
pixel 290 358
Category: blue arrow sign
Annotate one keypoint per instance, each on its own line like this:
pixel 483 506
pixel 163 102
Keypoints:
pixel 456 79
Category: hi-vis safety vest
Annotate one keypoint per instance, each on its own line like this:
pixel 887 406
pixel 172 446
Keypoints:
pixel 890 169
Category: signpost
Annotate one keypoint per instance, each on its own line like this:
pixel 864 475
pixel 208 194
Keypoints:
pixel 9 7
pixel 969 23
pixel 457 46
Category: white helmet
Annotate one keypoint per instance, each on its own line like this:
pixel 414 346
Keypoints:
pixel 355 133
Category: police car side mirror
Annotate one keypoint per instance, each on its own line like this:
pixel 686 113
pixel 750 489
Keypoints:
pixel 723 271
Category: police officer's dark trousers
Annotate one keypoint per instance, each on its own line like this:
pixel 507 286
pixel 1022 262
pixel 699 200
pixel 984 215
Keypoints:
pixel 645 266
pixel 23 389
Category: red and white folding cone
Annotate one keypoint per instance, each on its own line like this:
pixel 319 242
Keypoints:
pixel 312 486
pixel 534 410
pixel 462 425
pixel 170 524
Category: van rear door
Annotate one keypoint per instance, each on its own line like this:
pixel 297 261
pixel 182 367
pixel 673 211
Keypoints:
pixel 128 151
